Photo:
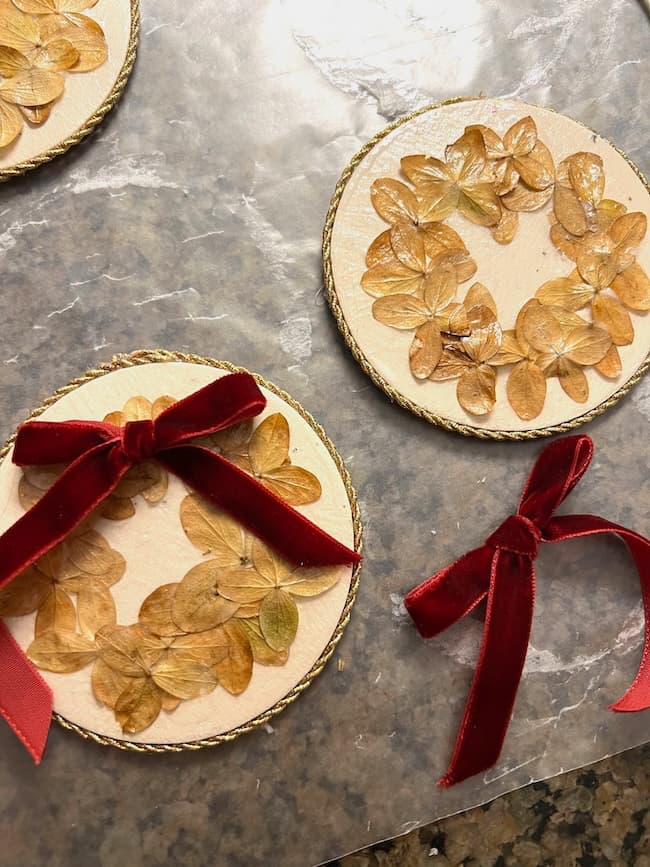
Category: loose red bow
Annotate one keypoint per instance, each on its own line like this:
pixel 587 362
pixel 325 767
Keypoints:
pixel 98 455
pixel 502 570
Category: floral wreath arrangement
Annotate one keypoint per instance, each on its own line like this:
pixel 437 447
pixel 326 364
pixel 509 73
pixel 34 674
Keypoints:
pixel 40 40
pixel 574 322
pixel 236 607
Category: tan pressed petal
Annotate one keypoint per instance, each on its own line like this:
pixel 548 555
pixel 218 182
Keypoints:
pixel 36 114
pixel 597 269
pixel 198 604
pixel 510 351
pixel 162 403
pixel 91 553
pixel 236 669
pixel 269 563
pixel 184 678
pixel 522 198
pixel 452 364
pixel 423 171
pixel 505 177
pixel 209 647
pixel 311 582
pixel 380 252
pixel 117 508
pixel 95 607
pixel 156 611
pixel 18 31
pixel 565 292
pixel 11 123
pixel 610 365
pixel 425 350
pixel 440 238
pixel 608 312
pixel 476 389
pixel 480 204
pixel 453 320
pixel 466 158
pixel 633 287
pixel 440 288
pixel 391 279
pixel 541 328
pixel 213 531
pixel 12 62
pixel 607 211
pixel 494 146
pixel 57 55
pixel 295 485
pixel 587 177
pixel 401 311
pixel 569 210
pixel 587 344
pixel 521 138
pixel 116 418
pixel 526 389
pixel 36 7
pixel 573 380
pixel 438 200
pixel 269 445
pixel 565 242
pixel 506 228
pixel 394 201
pixel 87 39
pixel 627 231
pixel 462 263
pixel 536 168
pixel 62 652
pixel 107 683
pixel 57 612
pixel 138 705
pixel 479 295
pixel 121 647
pixel 27 592
pixel 407 243
pixel 244 585
pixel 232 442
pixel 137 408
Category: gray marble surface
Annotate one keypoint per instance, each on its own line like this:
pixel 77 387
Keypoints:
pixel 191 220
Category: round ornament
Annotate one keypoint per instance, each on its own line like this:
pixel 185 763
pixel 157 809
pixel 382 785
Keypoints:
pixel 63 66
pixel 487 263
pixel 161 623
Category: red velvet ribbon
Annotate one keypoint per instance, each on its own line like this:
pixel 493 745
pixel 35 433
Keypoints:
pixel 502 570
pixel 98 455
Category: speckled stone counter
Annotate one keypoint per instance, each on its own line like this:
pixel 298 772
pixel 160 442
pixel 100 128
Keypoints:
pixel 192 221
pixel 596 817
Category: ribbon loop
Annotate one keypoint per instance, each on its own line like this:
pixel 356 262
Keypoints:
pixel 139 440
pixel 517 534
pixel 503 570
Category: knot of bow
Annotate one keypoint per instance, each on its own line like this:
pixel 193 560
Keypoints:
pixel 97 455
pixel 501 571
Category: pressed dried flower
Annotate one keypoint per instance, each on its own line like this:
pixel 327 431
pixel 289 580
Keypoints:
pixel 461 182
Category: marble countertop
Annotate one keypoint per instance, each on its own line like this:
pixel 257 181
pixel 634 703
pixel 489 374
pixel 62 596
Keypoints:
pixel 192 221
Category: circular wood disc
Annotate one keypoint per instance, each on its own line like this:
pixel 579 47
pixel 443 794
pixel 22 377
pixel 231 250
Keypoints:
pixel 157 552
pixel 87 97
pixel 511 272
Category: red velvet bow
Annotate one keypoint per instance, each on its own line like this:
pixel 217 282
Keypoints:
pixel 502 570
pixel 98 455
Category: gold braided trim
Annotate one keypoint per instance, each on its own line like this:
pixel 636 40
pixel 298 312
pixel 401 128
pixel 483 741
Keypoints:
pixel 96 118
pixel 395 395
pixel 151 356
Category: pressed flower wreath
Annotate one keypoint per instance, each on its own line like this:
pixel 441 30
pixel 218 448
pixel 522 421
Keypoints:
pixel 235 608
pixel 575 321
pixel 40 40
